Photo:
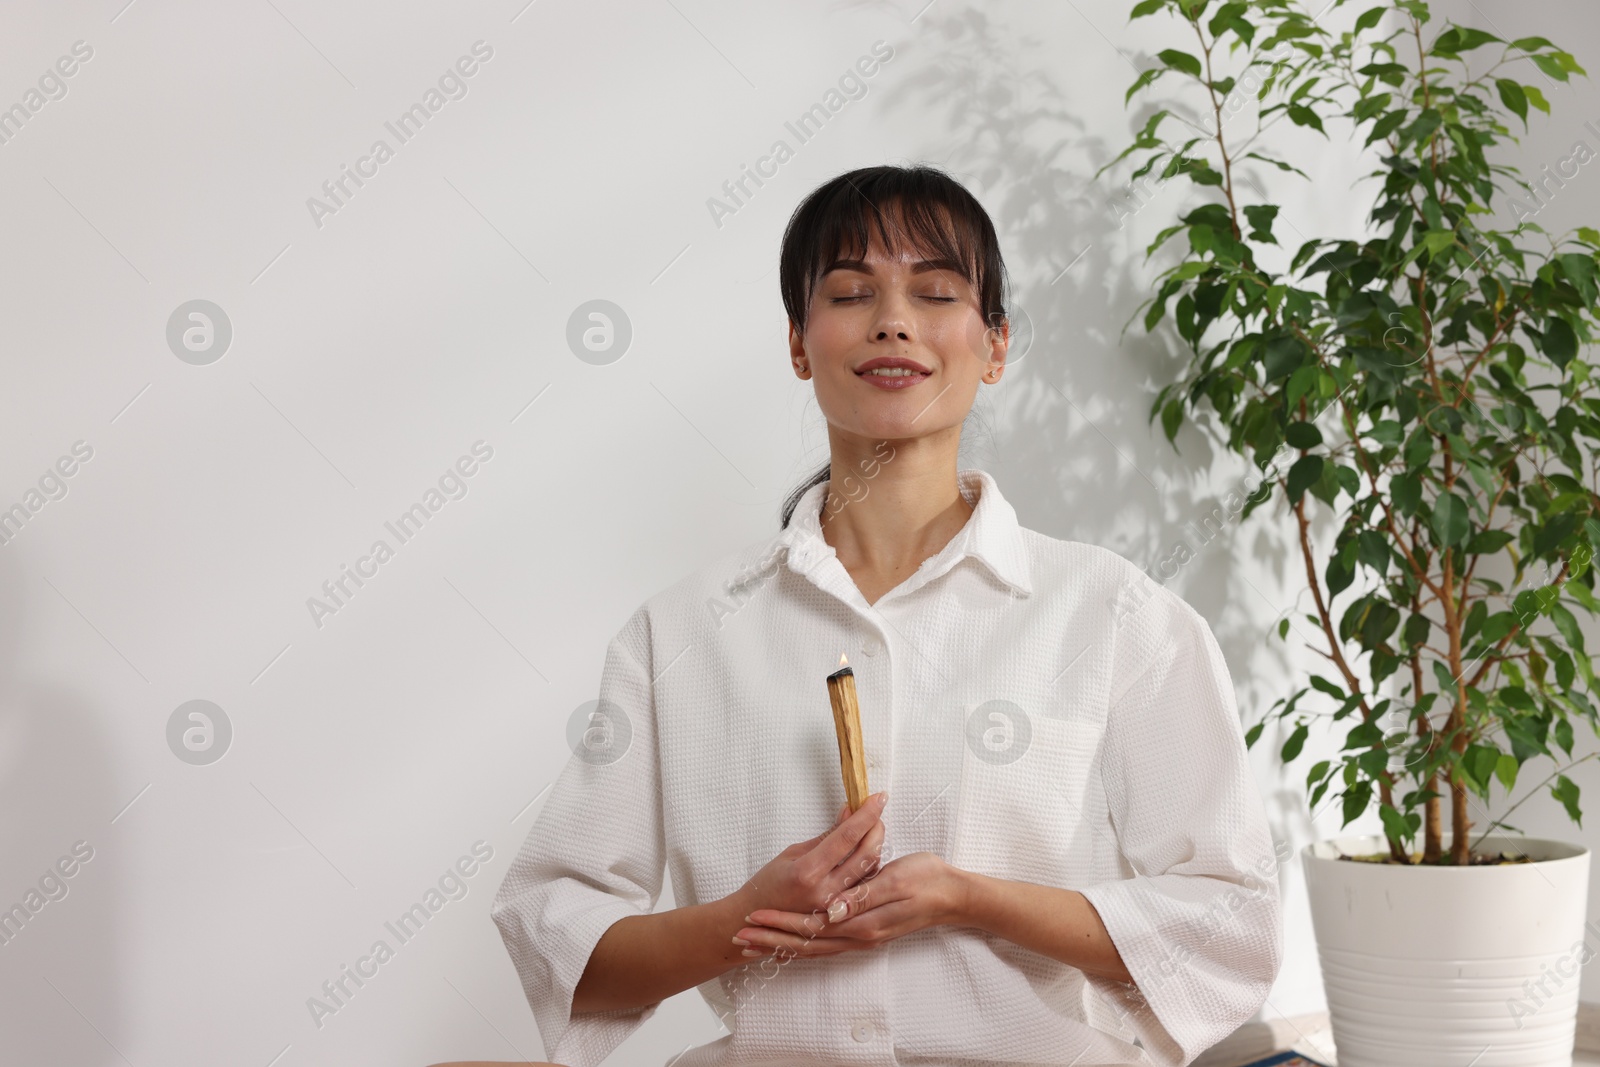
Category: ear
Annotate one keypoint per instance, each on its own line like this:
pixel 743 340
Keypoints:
pixel 797 353
pixel 999 340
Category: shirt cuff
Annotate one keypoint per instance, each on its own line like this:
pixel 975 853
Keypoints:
pixel 1143 923
pixel 551 954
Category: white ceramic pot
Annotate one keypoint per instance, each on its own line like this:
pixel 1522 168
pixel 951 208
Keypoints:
pixel 1450 966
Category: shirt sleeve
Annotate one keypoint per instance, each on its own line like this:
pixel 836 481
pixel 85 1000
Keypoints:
pixel 1198 925
pixel 595 854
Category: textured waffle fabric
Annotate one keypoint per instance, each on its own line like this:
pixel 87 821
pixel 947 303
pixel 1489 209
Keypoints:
pixel 1038 709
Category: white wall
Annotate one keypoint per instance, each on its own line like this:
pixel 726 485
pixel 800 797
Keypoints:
pixel 373 347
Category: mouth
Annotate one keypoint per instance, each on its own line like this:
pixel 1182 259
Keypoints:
pixel 893 372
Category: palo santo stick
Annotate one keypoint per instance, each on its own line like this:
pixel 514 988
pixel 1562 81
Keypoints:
pixel 847 725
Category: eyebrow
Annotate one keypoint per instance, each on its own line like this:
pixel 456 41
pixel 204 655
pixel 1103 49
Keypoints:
pixel 922 266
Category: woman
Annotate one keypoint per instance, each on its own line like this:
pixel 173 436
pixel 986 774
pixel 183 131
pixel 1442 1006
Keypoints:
pixel 1076 868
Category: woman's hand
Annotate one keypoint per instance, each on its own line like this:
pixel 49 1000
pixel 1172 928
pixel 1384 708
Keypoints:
pixel 809 876
pixel 908 894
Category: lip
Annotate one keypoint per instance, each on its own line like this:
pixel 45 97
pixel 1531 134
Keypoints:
pixel 899 382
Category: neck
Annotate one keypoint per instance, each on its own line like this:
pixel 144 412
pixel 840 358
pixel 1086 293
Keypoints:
pixel 892 504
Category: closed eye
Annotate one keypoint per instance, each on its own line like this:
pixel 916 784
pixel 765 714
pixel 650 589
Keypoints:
pixel 939 299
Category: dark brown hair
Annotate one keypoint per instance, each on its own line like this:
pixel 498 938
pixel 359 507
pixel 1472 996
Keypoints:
pixel 920 206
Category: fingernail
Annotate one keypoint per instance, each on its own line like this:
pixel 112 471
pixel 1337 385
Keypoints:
pixel 837 911
pixel 750 952
pixel 883 798
pixel 747 919
pixel 737 940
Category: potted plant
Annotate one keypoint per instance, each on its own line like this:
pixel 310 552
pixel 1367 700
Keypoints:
pixel 1425 389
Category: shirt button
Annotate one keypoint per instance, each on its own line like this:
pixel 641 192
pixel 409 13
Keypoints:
pixel 872 646
pixel 863 1032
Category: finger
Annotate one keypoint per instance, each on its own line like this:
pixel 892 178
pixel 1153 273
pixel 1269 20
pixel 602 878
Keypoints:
pixel 850 902
pixel 765 941
pixel 885 921
pixel 843 838
pixel 862 863
pixel 867 855
pixel 793 922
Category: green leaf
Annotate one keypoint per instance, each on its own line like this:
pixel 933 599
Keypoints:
pixel 1356 800
pixel 1439 241
pixel 1291 747
pixel 1282 355
pixel 1498 625
pixel 1514 696
pixel 1449 520
pixel 1407 492
pixel 1446 680
pixel 1459 39
pixel 1560 343
pixel 1224 16
pixel 1563 728
pixel 1374 552
pixel 1369 19
pixel 1427 122
pixel 1580 271
pixel 1253 734
pixel 1301 382
pixel 1485 542
pixel 1417 629
pixel 1303 435
pixel 1551 66
pixel 1444 419
pixel 1395 825
pixel 1144 79
pixel 1260 217
pixel 1318 772
pixel 1146 7
pixel 1512 96
pixel 1172 417
pixel 1567 626
pixel 1505 769
pixel 1420 448
pixel 1341 572
pixel 1180 61
pixel 1480 762
pixel 1363 735
pixel 1301 115
pixel 1554 532
pixel 1281 165
pixel 1306 470
pixel 1566 791
pixel 1385 126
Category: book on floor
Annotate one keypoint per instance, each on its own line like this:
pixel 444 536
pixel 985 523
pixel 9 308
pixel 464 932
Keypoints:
pixel 1286 1059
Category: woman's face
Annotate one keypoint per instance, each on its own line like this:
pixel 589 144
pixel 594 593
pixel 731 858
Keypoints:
pixel 904 309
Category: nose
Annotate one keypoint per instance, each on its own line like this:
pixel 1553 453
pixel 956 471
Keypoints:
pixel 893 320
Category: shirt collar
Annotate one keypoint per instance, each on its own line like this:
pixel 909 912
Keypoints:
pixel 991 535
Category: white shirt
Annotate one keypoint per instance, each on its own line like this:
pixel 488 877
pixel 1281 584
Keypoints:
pixel 1038 709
